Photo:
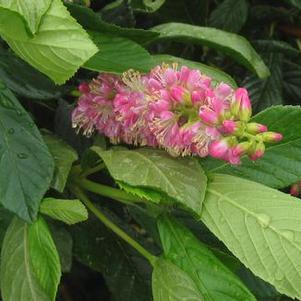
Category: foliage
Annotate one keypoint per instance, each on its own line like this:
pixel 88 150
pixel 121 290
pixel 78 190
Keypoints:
pixel 159 228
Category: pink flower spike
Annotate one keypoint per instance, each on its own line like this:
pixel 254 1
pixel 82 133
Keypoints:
pixel 208 116
pixel 219 148
pixel 256 128
pixel 84 88
pixel 295 190
pixel 271 137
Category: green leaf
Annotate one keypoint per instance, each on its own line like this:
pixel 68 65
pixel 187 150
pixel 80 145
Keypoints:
pixel 27 81
pixel 67 211
pixel 117 55
pixel 296 3
pixel 29 263
pixel 217 74
pixel 259 225
pixel 179 178
pixel 144 193
pixel 230 15
pixel 31 10
pixel 267 92
pixel 44 257
pixel 292 81
pixel 25 163
pixel 281 163
pixel 64 156
pixel 64 243
pixel 276 46
pixel 214 280
pixel 229 43
pixel 93 21
pixel 147 6
pixel 172 284
pixel 59 47
pixel 126 274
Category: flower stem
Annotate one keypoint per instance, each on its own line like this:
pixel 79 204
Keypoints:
pixel 93 170
pixel 82 196
pixel 104 190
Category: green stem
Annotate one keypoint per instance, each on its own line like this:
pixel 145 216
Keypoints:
pixel 104 190
pixel 93 170
pixel 81 195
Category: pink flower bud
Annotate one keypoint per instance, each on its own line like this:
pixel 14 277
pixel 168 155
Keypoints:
pixel 271 137
pixel 231 127
pixel 177 93
pixel 171 76
pixel 241 148
pixel 219 148
pixel 245 109
pixel 208 116
pixel 223 90
pixel 295 189
pixel 84 88
pixel 233 158
pixel 257 152
pixel 256 128
pixel 197 96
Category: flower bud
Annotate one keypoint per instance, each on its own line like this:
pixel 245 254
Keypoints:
pixel 258 151
pixel 219 148
pixel 242 148
pixel 256 128
pixel 84 88
pixel 295 189
pixel 232 127
pixel 177 93
pixel 208 116
pixel 271 137
pixel 245 109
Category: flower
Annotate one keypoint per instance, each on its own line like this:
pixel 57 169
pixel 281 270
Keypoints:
pixel 175 109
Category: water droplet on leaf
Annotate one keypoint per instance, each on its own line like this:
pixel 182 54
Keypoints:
pixel 290 235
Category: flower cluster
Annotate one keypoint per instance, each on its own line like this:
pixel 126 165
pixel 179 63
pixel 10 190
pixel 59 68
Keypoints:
pixel 176 109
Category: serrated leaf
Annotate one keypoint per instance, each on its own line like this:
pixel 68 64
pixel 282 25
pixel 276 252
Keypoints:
pixel 44 257
pixel 276 46
pixel 170 283
pixel 182 179
pixel 230 15
pixel 64 156
pixel 93 21
pixel 67 211
pixel 26 81
pixel 25 163
pixel 23 277
pixel 126 274
pixel 118 55
pixel 31 10
pixel 59 47
pixel 216 74
pixel 229 43
pixel 281 164
pixel 296 3
pixel 267 92
pixel 259 225
pixel 213 279
pixel 144 193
